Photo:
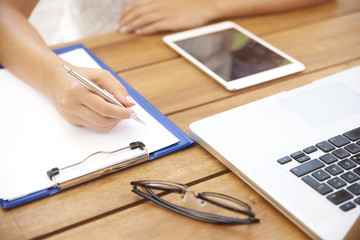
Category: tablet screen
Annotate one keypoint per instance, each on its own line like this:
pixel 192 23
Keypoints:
pixel 232 54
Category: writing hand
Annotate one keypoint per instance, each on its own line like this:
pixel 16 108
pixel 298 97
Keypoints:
pixel 81 107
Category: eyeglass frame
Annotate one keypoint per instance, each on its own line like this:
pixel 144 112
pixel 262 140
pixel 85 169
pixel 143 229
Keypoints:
pixel 202 216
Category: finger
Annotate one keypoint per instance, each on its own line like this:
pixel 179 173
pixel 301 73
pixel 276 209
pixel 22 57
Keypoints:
pixel 132 14
pixel 104 79
pixel 80 122
pixel 94 117
pixel 143 22
pixel 127 15
pixel 105 109
pixel 130 7
pixel 125 11
pixel 113 86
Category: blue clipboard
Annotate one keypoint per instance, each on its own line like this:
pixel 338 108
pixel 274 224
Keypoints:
pixel 184 140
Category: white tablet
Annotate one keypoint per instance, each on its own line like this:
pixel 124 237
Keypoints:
pixel 232 56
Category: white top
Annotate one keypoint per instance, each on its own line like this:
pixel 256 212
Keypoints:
pixel 61 21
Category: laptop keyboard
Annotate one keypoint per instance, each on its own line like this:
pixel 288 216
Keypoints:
pixel 332 168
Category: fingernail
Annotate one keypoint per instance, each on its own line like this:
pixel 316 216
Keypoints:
pixel 133 115
pixel 137 31
pixel 123 29
pixel 130 99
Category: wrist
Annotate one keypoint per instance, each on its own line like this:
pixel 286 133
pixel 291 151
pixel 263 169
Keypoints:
pixel 219 9
pixel 211 11
pixel 53 76
pixel 229 8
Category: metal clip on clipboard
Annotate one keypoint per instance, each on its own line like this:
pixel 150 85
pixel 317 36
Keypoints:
pixel 142 156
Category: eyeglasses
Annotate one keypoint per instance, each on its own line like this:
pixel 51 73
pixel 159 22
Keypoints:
pixel 223 209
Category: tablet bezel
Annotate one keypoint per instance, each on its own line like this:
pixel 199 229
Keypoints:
pixel 236 84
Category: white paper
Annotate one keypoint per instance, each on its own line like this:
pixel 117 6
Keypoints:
pixel 35 138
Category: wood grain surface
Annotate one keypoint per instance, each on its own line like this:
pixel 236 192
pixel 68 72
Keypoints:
pixel 326 38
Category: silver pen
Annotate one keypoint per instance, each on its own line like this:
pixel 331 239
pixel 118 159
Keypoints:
pixel 96 89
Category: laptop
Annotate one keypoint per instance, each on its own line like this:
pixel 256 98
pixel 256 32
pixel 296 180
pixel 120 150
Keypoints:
pixel 299 149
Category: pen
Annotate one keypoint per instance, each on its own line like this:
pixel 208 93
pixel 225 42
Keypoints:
pixel 96 89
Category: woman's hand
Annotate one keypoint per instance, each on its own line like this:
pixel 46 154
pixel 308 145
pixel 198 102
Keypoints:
pixel 153 16
pixel 81 107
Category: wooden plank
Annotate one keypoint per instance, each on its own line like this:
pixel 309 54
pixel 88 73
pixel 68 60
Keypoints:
pixel 8 227
pixel 150 221
pixel 178 85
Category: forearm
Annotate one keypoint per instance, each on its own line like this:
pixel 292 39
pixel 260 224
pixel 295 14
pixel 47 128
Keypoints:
pixel 23 51
pixel 231 8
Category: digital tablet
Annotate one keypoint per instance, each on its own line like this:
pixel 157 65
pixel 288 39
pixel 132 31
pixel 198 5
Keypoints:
pixel 232 56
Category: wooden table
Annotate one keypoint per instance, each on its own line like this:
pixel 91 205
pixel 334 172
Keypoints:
pixel 325 38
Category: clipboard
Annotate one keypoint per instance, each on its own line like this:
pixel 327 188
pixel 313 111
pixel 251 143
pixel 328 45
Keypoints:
pixel 142 156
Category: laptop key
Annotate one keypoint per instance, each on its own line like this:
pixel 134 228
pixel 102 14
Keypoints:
pixel 356 158
pixel 353 135
pixel 341 153
pixel 339 141
pixel 336 182
pixel 334 169
pixel 353 148
pixel 284 160
pixel 347 206
pixel 297 155
pixel 325 146
pixel 357 200
pixel 303 159
pixel 354 189
pixel 347 164
pixel 328 158
pixel 310 149
pixel 320 175
pixel 350 177
pixel 307 167
pixel 357 171
pixel 339 196
pixel 321 188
